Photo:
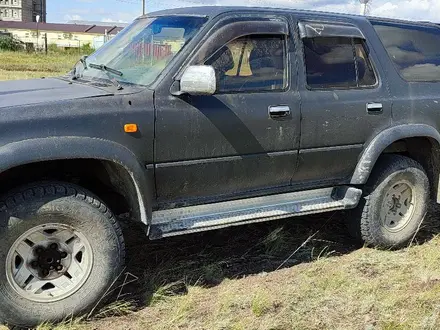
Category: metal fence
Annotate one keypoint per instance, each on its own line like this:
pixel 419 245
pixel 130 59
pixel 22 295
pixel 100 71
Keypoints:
pixel 43 43
pixel 155 51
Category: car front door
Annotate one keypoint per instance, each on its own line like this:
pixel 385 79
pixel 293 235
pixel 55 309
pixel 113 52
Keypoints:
pixel 344 100
pixel 244 139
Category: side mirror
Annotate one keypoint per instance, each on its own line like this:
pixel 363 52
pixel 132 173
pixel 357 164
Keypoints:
pixel 198 80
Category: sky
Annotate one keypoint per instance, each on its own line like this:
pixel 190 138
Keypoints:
pixel 126 10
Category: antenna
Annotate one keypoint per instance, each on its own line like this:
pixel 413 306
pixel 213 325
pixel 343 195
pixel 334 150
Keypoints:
pixel 365 6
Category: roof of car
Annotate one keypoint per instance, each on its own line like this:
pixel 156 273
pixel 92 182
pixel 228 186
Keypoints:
pixel 212 11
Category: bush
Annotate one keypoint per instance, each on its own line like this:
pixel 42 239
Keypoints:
pixel 53 48
pixel 10 44
pixel 87 49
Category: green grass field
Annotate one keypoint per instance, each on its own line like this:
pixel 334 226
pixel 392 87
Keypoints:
pixel 304 273
pixel 26 66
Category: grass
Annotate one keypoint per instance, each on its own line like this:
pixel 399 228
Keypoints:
pixel 304 273
pixel 228 279
pixel 26 66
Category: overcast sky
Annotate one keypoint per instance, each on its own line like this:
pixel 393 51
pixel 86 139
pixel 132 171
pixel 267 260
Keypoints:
pixel 127 10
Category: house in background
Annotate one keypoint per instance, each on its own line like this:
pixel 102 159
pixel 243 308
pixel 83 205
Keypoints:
pixel 101 40
pixel 62 35
pixel 22 10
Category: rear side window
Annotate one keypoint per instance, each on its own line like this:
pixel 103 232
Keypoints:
pixel 337 62
pixel 415 50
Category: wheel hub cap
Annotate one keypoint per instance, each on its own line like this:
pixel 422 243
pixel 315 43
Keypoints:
pixel 398 206
pixel 49 263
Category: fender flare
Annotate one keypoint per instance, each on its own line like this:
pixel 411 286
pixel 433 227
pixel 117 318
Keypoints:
pixel 73 147
pixel 384 139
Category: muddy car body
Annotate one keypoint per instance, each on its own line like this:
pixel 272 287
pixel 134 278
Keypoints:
pixel 201 118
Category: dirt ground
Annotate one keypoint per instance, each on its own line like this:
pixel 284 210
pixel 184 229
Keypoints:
pixel 299 273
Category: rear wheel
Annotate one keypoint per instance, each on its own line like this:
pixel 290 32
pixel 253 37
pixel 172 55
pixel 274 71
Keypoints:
pixel 62 249
pixel 394 203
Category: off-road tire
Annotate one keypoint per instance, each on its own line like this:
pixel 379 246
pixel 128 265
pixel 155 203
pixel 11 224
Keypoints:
pixel 365 223
pixel 70 205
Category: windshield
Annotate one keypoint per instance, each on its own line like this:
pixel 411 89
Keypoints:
pixel 142 50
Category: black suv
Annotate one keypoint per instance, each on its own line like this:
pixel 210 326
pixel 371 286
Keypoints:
pixel 202 118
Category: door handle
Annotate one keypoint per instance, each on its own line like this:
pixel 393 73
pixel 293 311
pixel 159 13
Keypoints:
pixel 279 111
pixel 374 108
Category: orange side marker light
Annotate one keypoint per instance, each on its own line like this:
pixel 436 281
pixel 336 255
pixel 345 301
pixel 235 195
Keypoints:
pixel 130 128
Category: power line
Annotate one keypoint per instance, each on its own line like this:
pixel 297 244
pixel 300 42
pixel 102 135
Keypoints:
pixel 130 1
pixel 136 2
pixel 144 3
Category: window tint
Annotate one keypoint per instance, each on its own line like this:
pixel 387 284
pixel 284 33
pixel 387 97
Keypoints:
pixel 337 62
pixel 252 63
pixel 415 50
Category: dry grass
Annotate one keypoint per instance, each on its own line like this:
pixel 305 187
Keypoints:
pixel 228 279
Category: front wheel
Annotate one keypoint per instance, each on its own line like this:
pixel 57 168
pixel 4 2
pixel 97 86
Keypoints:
pixel 394 203
pixel 62 249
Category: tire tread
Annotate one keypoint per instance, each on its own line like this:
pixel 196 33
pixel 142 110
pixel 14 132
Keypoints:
pixel 361 227
pixel 41 190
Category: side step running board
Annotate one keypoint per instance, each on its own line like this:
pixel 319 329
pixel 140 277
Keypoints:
pixel 198 218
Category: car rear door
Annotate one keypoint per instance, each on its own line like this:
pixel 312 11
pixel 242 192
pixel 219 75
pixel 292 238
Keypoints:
pixel 244 139
pixel 344 98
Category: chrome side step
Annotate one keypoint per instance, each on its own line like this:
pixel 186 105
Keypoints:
pixel 198 218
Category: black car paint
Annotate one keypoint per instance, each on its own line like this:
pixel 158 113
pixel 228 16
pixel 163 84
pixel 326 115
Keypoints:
pixel 34 91
pixel 415 108
pixel 204 149
pixel 335 123
pixel 58 119
pixel 217 168
pixel 235 146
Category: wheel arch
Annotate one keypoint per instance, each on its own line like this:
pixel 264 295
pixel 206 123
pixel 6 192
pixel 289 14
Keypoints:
pixel 113 156
pixel 386 141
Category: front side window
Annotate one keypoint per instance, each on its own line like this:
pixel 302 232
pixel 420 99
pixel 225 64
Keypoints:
pixel 414 50
pixel 337 62
pixel 142 50
pixel 254 63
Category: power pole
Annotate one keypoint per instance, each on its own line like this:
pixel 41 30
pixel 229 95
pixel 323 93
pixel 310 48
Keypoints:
pixel 365 6
pixel 38 33
pixel 45 42
pixel 143 7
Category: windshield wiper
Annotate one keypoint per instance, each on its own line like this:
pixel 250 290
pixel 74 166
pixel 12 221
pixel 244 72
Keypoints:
pixel 108 70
